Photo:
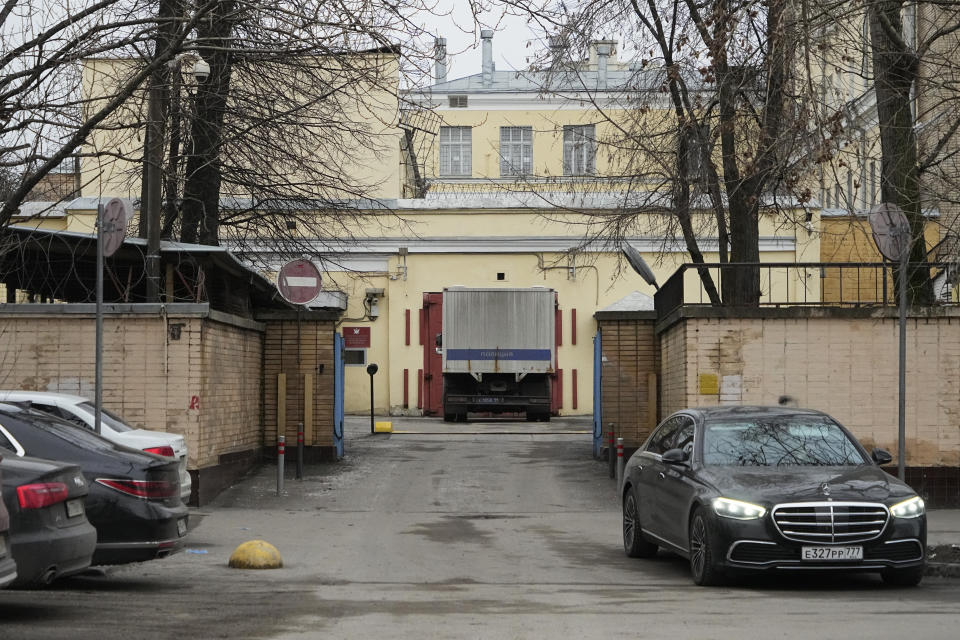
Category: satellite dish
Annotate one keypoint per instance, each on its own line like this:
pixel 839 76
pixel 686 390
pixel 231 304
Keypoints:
pixel 639 265
pixel 891 231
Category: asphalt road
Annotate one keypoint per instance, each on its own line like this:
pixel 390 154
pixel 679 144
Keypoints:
pixel 475 534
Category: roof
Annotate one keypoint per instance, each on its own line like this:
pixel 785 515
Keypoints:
pixel 635 301
pixel 748 411
pixel 61 265
pixel 631 77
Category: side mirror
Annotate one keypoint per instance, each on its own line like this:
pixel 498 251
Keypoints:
pixel 675 456
pixel 881 456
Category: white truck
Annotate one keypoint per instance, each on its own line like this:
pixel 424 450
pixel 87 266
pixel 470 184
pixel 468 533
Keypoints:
pixel 499 351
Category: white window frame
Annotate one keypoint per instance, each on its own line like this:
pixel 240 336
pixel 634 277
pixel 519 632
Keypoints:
pixel 579 150
pixel 456 151
pixel 516 151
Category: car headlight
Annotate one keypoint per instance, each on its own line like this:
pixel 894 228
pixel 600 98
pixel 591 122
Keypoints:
pixel 912 508
pixel 737 509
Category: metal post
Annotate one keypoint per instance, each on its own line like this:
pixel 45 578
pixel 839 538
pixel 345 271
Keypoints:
pixel 611 460
pixel 619 464
pixel 902 408
pixel 299 451
pixel 371 405
pixel 98 374
pixel 281 451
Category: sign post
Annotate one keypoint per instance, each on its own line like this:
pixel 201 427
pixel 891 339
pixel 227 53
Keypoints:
pixel 891 233
pixel 111 230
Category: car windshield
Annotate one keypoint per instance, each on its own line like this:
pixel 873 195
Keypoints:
pixel 114 421
pixel 777 441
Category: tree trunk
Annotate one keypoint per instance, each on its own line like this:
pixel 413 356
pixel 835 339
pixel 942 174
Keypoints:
pixel 201 191
pixel 895 67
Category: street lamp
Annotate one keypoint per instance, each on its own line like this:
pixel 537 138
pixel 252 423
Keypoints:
pixel 153 158
pixel 639 265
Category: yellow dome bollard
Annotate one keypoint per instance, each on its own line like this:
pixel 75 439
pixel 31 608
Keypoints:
pixel 255 554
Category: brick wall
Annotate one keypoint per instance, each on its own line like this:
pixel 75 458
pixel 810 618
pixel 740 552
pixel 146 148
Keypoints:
pixel 297 348
pixel 846 367
pixel 630 357
pixel 230 391
pixel 182 373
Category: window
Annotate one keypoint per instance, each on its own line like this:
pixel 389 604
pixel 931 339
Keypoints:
pixel 684 437
pixel 779 441
pixel 355 356
pixel 516 151
pixel 579 150
pixel 698 153
pixel 458 102
pixel 663 438
pixel 455 151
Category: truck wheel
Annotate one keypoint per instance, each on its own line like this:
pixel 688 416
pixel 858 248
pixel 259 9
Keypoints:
pixel 449 417
pixel 462 417
pixel 531 417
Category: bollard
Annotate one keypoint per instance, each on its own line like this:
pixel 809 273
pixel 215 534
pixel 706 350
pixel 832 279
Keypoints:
pixel 281 447
pixel 619 464
pixel 300 451
pixel 610 459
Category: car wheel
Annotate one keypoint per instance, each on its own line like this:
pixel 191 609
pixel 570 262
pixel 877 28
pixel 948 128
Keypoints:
pixel 902 577
pixel 633 543
pixel 449 417
pixel 703 565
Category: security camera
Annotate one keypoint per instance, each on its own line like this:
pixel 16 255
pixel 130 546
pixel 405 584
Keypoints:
pixel 201 70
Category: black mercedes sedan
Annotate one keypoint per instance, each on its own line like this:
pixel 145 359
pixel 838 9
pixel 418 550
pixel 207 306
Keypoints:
pixel 50 536
pixel 134 497
pixel 738 489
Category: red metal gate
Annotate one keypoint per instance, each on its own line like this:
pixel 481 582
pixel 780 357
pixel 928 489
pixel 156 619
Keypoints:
pixel 431 325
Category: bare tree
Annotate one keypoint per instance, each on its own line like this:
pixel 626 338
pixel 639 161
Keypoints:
pixel 46 118
pixel 707 124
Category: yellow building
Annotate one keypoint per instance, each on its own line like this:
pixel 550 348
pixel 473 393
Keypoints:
pixel 517 179
pixel 499 184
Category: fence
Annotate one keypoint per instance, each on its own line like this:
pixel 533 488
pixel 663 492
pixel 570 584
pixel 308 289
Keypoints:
pixel 834 284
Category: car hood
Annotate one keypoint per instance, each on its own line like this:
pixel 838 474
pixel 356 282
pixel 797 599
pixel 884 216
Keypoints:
pixel 773 485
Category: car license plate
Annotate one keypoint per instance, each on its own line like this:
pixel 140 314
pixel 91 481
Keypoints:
pixel 832 553
pixel 182 527
pixel 74 508
pixel 488 400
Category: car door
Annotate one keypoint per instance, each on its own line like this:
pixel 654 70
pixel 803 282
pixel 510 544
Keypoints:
pixel 649 508
pixel 677 485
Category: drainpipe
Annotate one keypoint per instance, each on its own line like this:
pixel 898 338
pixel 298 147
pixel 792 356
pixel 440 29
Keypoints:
pixel 486 36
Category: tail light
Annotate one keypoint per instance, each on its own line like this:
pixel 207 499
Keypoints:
pixel 161 451
pixel 40 495
pixel 149 489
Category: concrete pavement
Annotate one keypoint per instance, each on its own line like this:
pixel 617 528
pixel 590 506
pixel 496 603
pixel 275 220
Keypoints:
pixel 499 532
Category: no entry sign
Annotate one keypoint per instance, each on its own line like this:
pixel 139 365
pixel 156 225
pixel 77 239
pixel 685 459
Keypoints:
pixel 299 281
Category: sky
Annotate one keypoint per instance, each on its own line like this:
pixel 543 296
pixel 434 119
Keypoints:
pixel 453 20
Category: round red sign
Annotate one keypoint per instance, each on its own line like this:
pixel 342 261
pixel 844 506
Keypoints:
pixel 299 281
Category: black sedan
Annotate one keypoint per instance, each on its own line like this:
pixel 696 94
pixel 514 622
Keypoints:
pixel 753 488
pixel 134 500
pixel 8 568
pixel 50 536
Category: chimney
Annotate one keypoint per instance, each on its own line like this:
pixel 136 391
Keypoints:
pixel 486 35
pixel 440 57
pixel 603 53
